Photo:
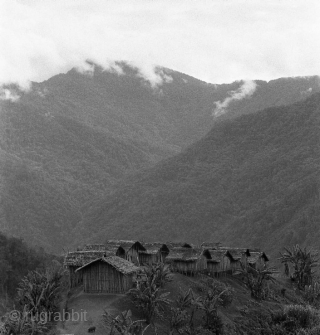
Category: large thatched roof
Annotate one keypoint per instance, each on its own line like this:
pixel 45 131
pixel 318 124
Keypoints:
pixel 217 255
pixel 79 258
pixel 183 254
pixel 94 247
pixel 120 264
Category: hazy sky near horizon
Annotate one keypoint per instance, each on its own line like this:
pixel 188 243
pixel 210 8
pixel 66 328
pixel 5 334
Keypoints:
pixel 218 41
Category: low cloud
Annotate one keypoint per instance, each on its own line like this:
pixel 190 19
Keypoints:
pixel 244 91
pixel 7 94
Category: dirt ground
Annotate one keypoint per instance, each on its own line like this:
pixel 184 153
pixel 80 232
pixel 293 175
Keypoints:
pixel 86 310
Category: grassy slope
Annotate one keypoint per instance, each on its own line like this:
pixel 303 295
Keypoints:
pixel 242 313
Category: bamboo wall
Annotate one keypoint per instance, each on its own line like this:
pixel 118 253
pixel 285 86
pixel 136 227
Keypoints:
pixel 235 265
pixel 133 255
pixel 202 263
pixel 184 267
pixel 149 258
pixel 244 260
pixel 225 264
pixel 101 277
pixel 213 268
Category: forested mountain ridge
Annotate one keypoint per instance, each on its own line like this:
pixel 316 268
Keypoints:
pixel 251 181
pixel 70 140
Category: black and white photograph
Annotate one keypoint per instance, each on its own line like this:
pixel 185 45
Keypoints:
pixel 159 167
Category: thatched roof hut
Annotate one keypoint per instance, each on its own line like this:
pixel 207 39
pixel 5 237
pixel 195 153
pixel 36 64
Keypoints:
pixel 258 259
pixel 188 261
pixel 219 263
pixel 75 259
pixel 111 274
pixel 239 258
pixel 154 252
pixel 131 249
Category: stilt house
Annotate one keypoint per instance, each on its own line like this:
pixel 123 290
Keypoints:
pixel 111 274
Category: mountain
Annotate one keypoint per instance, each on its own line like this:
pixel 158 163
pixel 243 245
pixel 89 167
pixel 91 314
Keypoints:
pixel 70 141
pixel 278 92
pixel 252 181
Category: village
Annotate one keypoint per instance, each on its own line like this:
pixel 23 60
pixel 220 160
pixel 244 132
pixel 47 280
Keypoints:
pixel 114 267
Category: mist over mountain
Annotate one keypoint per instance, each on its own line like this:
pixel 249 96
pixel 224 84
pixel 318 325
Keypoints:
pixel 251 181
pixel 69 145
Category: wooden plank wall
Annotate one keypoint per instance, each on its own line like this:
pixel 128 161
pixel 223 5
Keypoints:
pixel 101 277
pixel 133 255
pixel 149 258
pixel 214 268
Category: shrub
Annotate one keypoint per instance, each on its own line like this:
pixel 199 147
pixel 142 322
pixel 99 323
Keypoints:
pixel 305 316
pixel 312 293
pixel 296 319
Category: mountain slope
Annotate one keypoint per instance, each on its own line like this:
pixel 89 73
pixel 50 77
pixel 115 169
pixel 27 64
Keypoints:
pixel 252 181
pixel 70 140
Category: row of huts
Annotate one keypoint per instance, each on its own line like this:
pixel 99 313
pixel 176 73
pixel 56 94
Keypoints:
pixel 113 267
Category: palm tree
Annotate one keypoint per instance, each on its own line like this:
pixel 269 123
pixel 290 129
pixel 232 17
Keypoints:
pixel 149 298
pixel 303 262
pixel 123 324
pixel 256 279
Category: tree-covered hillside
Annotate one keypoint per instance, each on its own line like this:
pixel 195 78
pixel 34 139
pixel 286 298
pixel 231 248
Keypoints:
pixel 68 141
pixel 252 181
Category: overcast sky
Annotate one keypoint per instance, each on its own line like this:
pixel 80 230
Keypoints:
pixel 218 41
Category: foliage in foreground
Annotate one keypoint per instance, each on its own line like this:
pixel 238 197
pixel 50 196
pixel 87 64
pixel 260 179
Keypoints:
pixel 38 295
pixel 302 261
pixel 291 319
pixel 256 280
pixel 123 324
pixel 149 296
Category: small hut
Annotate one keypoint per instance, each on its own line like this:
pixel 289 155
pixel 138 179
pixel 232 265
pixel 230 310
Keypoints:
pixel 155 252
pixel 258 260
pixel 131 249
pixel 219 263
pixel 111 274
pixel 188 261
pixel 239 258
